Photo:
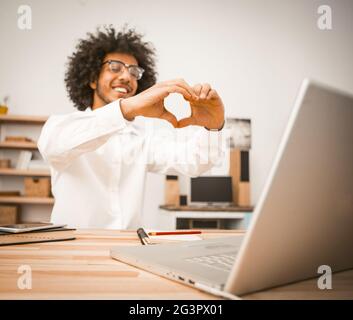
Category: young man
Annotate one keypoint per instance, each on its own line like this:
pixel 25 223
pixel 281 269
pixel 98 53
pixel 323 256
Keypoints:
pixel 112 78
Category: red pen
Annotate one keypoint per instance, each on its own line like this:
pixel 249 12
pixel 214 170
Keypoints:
pixel 167 233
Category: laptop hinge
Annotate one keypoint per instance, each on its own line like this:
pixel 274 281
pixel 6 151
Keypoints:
pixel 216 291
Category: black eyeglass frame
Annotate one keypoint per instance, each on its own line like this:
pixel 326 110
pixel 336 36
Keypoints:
pixel 127 66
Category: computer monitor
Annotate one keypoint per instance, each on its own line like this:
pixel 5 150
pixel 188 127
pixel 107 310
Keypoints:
pixel 215 190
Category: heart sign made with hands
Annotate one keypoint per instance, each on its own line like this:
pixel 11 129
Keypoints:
pixel 207 108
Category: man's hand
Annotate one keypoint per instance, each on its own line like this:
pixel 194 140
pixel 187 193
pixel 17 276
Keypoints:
pixel 150 103
pixel 207 111
pixel 207 108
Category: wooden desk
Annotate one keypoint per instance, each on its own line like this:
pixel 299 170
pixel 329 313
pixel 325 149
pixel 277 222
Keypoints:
pixel 83 269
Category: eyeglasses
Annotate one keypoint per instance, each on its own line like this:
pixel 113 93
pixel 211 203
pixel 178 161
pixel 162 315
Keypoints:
pixel 117 66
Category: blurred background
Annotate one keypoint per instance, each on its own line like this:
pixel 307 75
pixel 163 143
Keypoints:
pixel 255 53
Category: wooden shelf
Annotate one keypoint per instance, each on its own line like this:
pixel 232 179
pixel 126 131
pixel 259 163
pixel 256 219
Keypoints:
pixel 26 200
pixel 206 208
pixel 23 173
pixel 17 119
pixel 18 145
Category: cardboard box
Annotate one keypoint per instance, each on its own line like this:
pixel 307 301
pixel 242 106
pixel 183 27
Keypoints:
pixel 8 214
pixel 5 163
pixel 37 187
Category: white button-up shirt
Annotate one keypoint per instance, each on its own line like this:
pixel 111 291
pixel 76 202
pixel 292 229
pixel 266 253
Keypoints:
pixel 99 160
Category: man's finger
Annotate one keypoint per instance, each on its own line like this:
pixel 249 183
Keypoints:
pixel 197 88
pixel 170 118
pixel 165 91
pixel 212 94
pixel 186 122
pixel 181 90
pixel 181 83
pixel 205 90
pixel 185 85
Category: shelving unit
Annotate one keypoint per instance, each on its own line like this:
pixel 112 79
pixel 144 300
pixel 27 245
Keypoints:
pixel 6 120
pixel 24 173
pixel 19 119
pixel 25 200
pixel 18 145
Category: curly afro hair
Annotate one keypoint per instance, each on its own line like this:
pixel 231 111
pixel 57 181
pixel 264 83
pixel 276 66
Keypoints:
pixel 85 64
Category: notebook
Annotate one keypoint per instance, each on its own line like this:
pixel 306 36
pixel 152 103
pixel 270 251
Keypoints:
pixel 37 236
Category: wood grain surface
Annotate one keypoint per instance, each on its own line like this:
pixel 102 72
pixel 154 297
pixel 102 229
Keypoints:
pixel 83 269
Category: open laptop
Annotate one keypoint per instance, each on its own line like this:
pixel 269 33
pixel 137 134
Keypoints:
pixel 303 219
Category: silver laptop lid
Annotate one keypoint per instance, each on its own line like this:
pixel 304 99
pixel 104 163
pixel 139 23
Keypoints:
pixel 304 217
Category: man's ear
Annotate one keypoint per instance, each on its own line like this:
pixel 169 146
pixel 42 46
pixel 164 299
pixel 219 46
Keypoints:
pixel 93 85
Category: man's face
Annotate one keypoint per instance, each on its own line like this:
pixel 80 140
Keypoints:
pixel 111 86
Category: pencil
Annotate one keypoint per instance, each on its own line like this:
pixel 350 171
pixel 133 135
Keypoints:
pixel 167 233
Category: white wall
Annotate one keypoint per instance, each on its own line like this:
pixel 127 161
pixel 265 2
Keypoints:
pixel 255 53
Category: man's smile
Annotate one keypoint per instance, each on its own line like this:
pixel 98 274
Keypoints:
pixel 121 88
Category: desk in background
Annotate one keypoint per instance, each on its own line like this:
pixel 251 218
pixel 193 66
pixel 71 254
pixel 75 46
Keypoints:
pixel 191 217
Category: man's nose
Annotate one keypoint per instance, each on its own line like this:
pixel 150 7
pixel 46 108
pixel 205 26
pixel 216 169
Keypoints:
pixel 124 75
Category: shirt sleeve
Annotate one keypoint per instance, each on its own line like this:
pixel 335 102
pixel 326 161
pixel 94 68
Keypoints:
pixel 65 137
pixel 190 155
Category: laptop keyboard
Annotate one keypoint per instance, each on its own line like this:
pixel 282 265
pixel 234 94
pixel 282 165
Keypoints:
pixel 222 261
